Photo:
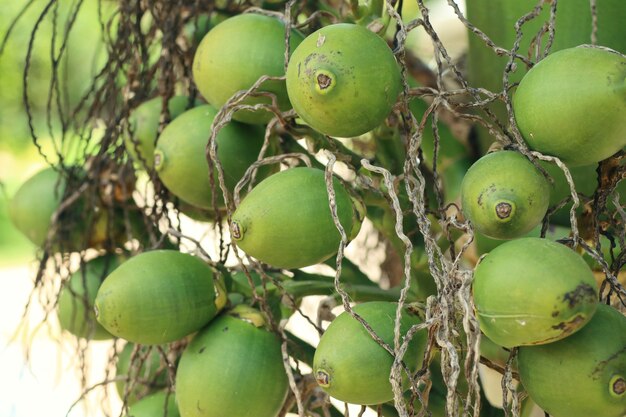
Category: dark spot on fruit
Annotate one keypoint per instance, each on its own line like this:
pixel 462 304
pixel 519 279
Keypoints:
pixel 503 210
pixel 322 378
pixel 480 199
pixel 619 386
pixel 236 231
pixel 555 313
pixel 324 81
pixel 225 329
pixel 202 349
pixel 602 364
pixel 582 293
pixel 568 327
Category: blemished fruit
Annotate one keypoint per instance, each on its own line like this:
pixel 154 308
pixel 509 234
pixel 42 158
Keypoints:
pixel 235 54
pixel 343 80
pixel 157 297
pixel 159 404
pixel 285 221
pixel 144 126
pixel 139 376
pixel 180 160
pixel 351 366
pixel 76 300
pixel 572 105
pixel 582 375
pixel 504 195
pixel 531 291
pixel 233 368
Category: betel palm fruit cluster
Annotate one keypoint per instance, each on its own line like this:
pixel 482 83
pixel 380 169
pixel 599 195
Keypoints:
pixel 250 151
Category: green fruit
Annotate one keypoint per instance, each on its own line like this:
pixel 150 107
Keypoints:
pixel 180 160
pixel 232 368
pixel 351 366
pixel 504 195
pixel 143 374
pixel 583 375
pixel 343 80
pixel 157 297
pixel 144 126
pixel 235 54
pixel 532 291
pixel 286 221
pixel 572 105
pixel 76 300
pixel 155 405
pixel 485 244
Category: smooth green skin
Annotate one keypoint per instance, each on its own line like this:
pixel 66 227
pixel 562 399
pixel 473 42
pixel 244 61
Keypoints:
pixel 144 125
pixel 572 105
pixel 285 221
pixel 35 202
pixel 497 19
pixel 154 406
pixel 533 291
pixel 573 377
pixel 358 367
pixel 235 54
pixel 180 159
pixel 75 306
pixel 485 244
pixel 504 177
pixel 231 368
pixel 157 297
pixel 151 375
pixel 366 80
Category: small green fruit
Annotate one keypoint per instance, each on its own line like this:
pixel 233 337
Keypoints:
pixel 160 404
pixel 286 220
pixel 343 80
pixel 235 54
pixel 232 368
pixel 351 366
pixel 531 291
pixel 146 374
pixel 157 297
pixel 504 195
pixel 76 300
pixel 582 375
pixel 144 126
pixel 572 105
pixel 180 160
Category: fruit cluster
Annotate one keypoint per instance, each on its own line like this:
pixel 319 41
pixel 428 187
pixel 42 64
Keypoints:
pixel 215 330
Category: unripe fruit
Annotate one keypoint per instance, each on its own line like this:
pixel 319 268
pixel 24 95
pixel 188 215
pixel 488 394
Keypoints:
pixel 235 54
pixel 531 291
pixel 343 80
pixel 285 221
pixel 504 195
pixel 140 375
pixel 572 105
pixel 154 405
pixel 157 297
pixel 232 368
pixel 351 366
pixel 582 375
pixel 180 160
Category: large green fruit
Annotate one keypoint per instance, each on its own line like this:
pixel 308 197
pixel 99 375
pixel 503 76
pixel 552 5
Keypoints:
pixel 286 221
pixel 232 368
pixel 343 80
pixel 157 297
pixel 532 291
pixel 235 54
pixel 582 375
pixel 76 300
pixel 351 366
pixel 504 195
pixel 572 105
pixel 160 404
pixel 144 126
pixel 180 160
pixel 140 375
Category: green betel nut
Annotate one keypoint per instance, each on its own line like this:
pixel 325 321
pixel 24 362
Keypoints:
pixel 343 80
pixel 157 297
pixel 285 221
pixel 504 195
pixel 582 375
pixel 572 105
pixel 531 291
pixel 352 367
